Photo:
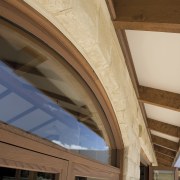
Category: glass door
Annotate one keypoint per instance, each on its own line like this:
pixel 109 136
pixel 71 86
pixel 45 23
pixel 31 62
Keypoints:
pixel 17 163
pixel 17 174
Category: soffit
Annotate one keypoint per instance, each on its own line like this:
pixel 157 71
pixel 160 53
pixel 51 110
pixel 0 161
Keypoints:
pixel 156 58
pixel 163 114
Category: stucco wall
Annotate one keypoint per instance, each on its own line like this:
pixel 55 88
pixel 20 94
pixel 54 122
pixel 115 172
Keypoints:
pixel 87 24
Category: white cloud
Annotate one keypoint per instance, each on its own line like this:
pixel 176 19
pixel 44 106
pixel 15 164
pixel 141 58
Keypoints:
pixel 72 146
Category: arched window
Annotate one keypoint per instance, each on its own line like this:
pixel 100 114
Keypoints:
pixel 41 94
pixel 50 106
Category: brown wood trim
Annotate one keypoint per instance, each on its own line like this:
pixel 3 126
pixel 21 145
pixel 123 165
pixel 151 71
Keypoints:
pixel 176 174
pixel 164 151
pixel 165 143
pixel 33 161
pixel 26 165
pixel 160 98
pixel 36 144
pixel 150 15
pixel 162 165
pixel 146 26
pixel 85 171
pixel 164 127
pixel 110 4
pixel 163 156
pixel 150 173
pixel 165 168
pixel 164 162
pixel 27 18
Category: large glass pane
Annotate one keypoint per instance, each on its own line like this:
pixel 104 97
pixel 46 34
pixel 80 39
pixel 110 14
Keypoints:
pixel 163 175
pixel 24 175
pixel 17 174
pixel 7 173
pixel 86 178
pixel 43 95
pixel 45 176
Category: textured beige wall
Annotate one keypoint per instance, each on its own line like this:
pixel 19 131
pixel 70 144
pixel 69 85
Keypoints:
pixel 87 24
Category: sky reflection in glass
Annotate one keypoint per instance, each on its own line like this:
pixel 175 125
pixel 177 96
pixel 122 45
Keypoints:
pixel 41 94
pixel 25 107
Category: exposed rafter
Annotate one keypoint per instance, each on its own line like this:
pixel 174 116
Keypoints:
pixel 162 165
pixel 151 15
pixel 164 162
pixel 160 98
pixel 165 143
pixel 164 151
pixel 164 128
pixel 167 158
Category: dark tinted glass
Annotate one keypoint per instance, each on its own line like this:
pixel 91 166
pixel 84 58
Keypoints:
pixel 41 94
pixel 86 178
pixel 7 173
pixel 45 176
pixel 24 175
pixel 17 174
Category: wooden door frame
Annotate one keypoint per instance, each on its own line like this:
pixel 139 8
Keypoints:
pixel 70 165
pixel 19 158
pixel 30 20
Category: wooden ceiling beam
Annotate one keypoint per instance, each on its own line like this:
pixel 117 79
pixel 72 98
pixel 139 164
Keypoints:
pixel 160 98
pixel 162 165
pixel 149 15
pixel 165 143
pixel 163 156
pixel 164 127
pixel 164 151
pixel 164 162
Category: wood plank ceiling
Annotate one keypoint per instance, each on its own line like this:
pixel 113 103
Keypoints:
pixel 134 20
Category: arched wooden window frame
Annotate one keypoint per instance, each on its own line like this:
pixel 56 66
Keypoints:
pixel 30 20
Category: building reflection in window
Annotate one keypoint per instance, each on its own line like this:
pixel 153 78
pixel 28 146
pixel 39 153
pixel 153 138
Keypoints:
pixel 41 94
